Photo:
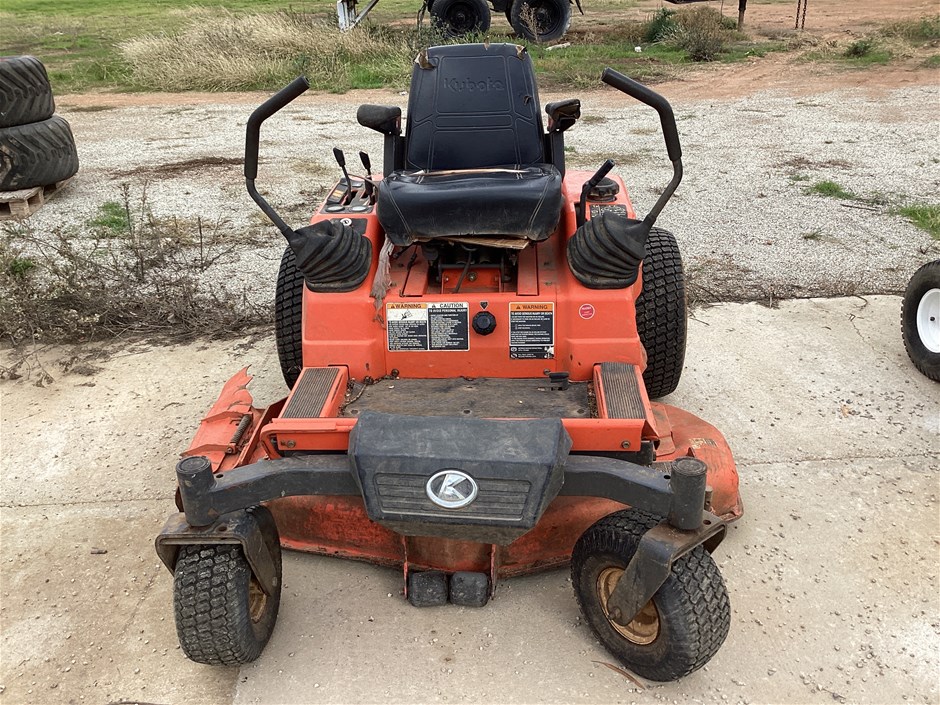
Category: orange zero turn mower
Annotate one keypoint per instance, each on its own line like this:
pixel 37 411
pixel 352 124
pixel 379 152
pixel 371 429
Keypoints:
pixel 473 343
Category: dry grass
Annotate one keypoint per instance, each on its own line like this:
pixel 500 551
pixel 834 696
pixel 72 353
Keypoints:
pixel 220 50
pixel 134 274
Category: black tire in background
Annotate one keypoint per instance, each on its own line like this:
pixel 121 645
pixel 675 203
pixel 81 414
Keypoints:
pixel 288 318
pixel 920 320
pixel 37 154
pixel 661 315
pixel 551 17
pixel 680 629
pixel 456 18
pixel 25 93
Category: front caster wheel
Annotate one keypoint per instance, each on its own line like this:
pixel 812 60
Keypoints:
pixel 223 617
pixel 679 630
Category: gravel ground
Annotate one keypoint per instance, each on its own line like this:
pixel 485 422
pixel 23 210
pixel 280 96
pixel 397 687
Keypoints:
pixel 747 228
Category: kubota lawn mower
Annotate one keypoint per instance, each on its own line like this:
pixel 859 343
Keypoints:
pixel 471 343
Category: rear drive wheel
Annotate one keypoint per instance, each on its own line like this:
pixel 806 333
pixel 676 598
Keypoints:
pixel 661 313
pixel 456 18
pixel 540 20
pixel 223 617
pixel 288 318
pixel 679 630
pixel 920 319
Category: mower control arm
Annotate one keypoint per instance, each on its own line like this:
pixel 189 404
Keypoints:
pixel 252 135
pixel 670 131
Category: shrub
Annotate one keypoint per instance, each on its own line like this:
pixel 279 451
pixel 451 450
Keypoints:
pixel 701 33
pixel 661 25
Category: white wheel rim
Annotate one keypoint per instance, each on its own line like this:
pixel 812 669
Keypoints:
pixel 928 320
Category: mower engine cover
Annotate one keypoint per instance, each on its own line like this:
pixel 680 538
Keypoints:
pixel 472 479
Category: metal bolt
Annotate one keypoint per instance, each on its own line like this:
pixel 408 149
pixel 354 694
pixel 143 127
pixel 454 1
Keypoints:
pixel 616 614
pixel 625 445
pixel 290 444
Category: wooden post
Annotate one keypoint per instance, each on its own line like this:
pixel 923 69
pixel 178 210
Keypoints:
pixel 742 6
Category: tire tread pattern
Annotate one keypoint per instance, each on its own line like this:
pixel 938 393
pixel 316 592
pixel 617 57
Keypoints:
pixel 661 313
pixel 38 154
pixel 25 93
pixel 288 318
pixel 211 606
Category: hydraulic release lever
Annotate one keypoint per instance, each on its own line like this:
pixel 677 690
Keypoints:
pixel 590 184
pixel 367 165
pixel 341 160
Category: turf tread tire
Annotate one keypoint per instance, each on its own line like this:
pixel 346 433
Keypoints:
pixel 693 603
pixel 924 279
pixel 25 93
pixel 38 154
pixel 210 600
pixel 661 316
pixel 288 318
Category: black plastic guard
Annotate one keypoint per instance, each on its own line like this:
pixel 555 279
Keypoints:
pixel 516 467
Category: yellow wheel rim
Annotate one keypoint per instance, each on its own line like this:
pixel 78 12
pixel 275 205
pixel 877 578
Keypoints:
pixel 644 628
pixel 257 600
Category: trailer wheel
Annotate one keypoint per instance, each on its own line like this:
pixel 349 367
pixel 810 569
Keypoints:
pixel 684 624
pixel 661 314
pixel 456 18
pixel 920 319
pixel 288 318
pixel 540 20
pixel 37 154
pixel 223 617
pixel 25 94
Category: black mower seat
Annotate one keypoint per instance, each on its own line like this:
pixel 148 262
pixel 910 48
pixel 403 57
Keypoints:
pixel 474 150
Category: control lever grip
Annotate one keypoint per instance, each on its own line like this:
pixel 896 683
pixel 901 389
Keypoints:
pixel 253 130
pixel 654 100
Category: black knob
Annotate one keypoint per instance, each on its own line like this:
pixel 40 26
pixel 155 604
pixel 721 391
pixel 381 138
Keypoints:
pixel 605 190
pixel 484 323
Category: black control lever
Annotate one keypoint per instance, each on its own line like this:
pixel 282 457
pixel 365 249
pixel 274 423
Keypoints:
pixel 670 132
pixel 252 136
pixel 367 165
pixel 588 186
pixel 341 160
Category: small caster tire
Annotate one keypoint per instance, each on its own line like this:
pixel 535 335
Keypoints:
pixel 679 630
pixel 223 617
pixel 469 589
pixel 427 588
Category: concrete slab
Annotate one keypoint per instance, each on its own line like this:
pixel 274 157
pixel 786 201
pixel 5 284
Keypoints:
pixel 833 571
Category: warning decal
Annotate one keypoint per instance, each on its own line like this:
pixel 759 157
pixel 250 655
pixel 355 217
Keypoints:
pixel 428 327
pixel 531 331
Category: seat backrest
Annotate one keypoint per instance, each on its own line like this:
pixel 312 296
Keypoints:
pixel 473 106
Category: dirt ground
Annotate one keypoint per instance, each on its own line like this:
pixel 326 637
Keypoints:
pixel 833 571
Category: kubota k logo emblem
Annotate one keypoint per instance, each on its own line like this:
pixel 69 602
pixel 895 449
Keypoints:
pixel 451 489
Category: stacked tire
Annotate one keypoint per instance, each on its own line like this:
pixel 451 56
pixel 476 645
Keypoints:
pixel 36 147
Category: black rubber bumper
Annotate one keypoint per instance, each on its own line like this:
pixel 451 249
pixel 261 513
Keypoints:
pixel 675 490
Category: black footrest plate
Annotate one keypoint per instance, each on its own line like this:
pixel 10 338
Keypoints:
pixel 622 391
pixel 310 393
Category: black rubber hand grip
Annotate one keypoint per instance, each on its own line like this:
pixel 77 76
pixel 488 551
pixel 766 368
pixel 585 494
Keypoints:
pixel 652 99
pixel 252 133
